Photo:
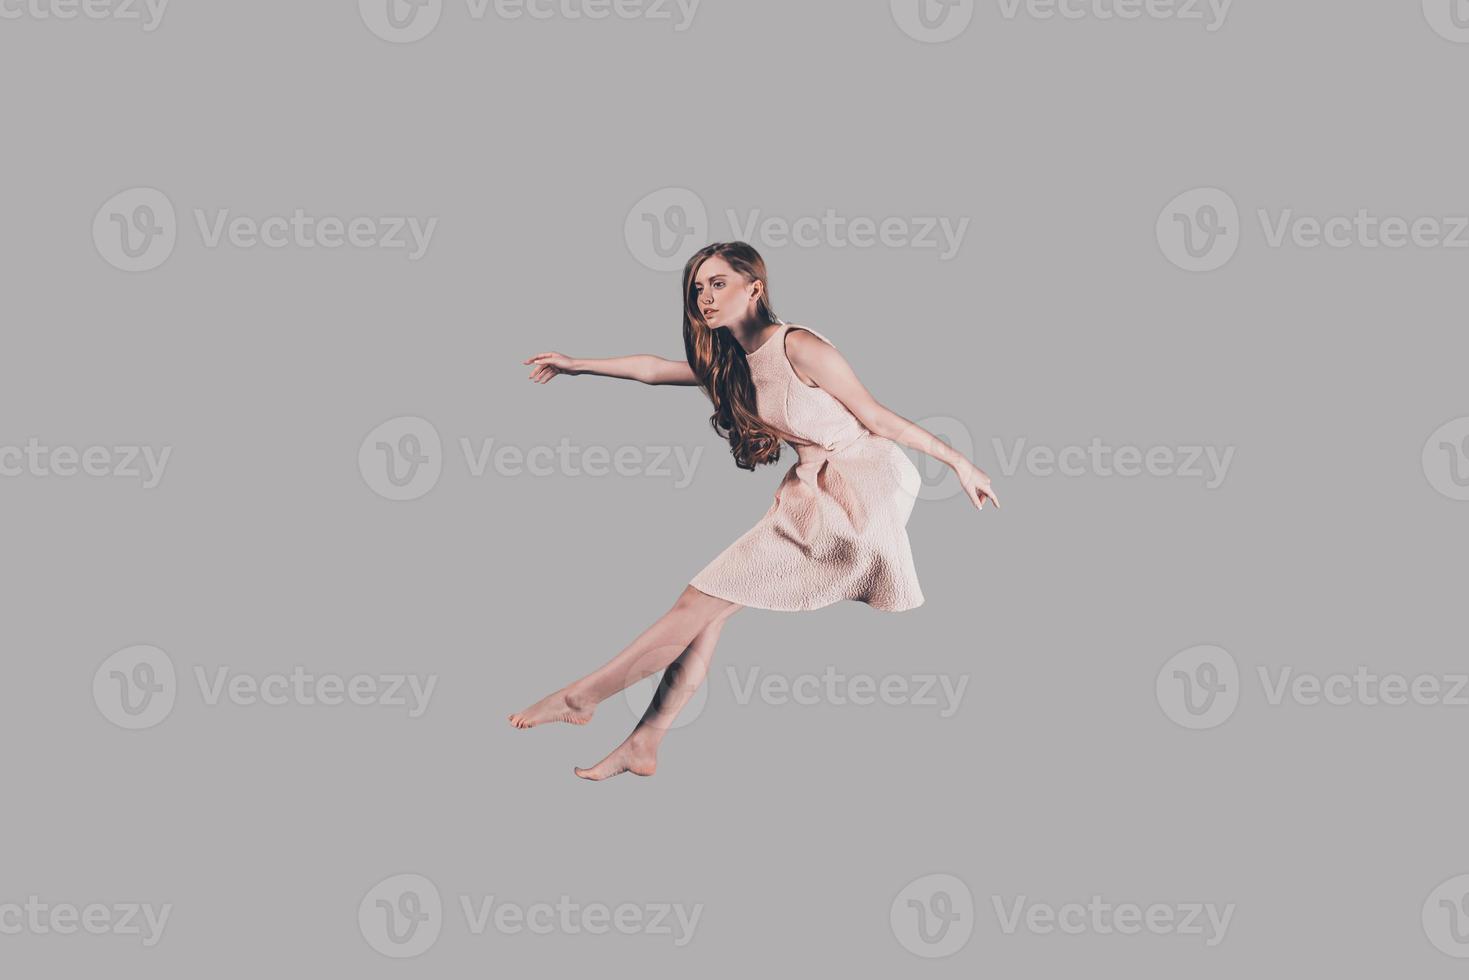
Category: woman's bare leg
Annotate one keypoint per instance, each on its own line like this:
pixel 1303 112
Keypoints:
pixel 638 753
pixel 655 648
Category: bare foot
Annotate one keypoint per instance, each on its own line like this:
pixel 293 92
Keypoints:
pixel 634 755
pixel 561 706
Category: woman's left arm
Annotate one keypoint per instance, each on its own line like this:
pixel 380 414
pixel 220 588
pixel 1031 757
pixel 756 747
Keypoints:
pixel 825 365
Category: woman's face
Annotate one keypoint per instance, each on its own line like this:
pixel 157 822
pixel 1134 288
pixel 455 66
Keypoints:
pixel 724 297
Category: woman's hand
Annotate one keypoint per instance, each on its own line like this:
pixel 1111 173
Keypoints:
pixel 550 364
pixel 976 483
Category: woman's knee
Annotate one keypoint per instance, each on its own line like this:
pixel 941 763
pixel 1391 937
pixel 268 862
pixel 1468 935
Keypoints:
pixel 691 597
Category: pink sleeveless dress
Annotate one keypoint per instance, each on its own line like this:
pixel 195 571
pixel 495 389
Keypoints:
pixel 838 527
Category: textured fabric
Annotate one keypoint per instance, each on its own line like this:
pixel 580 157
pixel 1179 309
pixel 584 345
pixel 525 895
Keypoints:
pixel 838 527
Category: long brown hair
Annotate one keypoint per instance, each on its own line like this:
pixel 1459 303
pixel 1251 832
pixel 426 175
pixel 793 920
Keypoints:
pixel 718 360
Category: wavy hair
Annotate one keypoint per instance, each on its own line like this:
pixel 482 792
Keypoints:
pixel 718 360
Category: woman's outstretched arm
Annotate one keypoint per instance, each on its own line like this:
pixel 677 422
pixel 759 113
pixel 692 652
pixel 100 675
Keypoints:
pixel 825 365
pixel 647 368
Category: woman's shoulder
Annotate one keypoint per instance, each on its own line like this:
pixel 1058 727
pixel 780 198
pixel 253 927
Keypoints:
pixel 800 335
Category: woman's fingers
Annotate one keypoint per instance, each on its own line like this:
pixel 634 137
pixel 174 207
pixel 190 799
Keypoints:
pixel 979 492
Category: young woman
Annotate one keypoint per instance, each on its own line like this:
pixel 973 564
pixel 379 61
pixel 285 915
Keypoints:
pixel 838 527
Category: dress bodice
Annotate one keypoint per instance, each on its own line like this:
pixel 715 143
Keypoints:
pixel 793 407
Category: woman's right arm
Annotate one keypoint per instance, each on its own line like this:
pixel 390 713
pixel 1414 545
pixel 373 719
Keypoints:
pixel 647 368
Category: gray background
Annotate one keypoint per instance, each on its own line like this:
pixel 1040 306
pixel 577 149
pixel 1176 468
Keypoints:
pixel 795 826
